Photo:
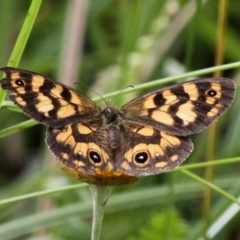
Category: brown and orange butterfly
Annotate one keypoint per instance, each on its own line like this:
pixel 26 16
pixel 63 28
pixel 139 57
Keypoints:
pixel 111 146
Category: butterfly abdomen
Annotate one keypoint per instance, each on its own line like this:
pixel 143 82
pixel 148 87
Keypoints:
pixel 113 137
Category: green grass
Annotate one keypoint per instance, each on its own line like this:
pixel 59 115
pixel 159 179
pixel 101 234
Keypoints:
pixel 146 44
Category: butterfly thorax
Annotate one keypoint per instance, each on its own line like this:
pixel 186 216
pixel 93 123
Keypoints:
pixel 112 123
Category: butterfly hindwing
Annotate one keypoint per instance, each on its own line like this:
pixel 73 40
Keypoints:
pixel 145 150
pixel 45 100
pixel 185 108
pixel 86 154
pixel 150 151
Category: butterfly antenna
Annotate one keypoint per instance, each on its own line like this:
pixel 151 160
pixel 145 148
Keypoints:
pixel 92 91
pixel 129 86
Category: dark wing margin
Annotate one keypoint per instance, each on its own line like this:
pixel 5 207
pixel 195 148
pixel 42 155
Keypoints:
pixel 45 100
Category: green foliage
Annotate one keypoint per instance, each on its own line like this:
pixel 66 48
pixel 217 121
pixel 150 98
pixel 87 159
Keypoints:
pixel 123 43
pixel 155 228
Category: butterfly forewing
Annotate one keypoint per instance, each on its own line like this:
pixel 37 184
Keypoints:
pixel 45 100
pixel 185 108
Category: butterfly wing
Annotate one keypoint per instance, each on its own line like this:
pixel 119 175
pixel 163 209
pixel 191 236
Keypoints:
pixel 45 100
pixel 85 152
pixel 182 109
pixel 80 146
pixel 148 150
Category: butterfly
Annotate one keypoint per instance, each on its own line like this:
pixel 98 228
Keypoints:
pixel 110 146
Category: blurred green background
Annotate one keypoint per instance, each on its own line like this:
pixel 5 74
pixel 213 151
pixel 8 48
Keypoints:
pixel 109 45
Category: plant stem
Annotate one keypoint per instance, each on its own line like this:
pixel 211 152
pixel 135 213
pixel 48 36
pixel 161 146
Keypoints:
pixel 100 196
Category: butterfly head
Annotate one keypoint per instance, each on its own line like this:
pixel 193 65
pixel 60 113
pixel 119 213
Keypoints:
pixel 110 114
